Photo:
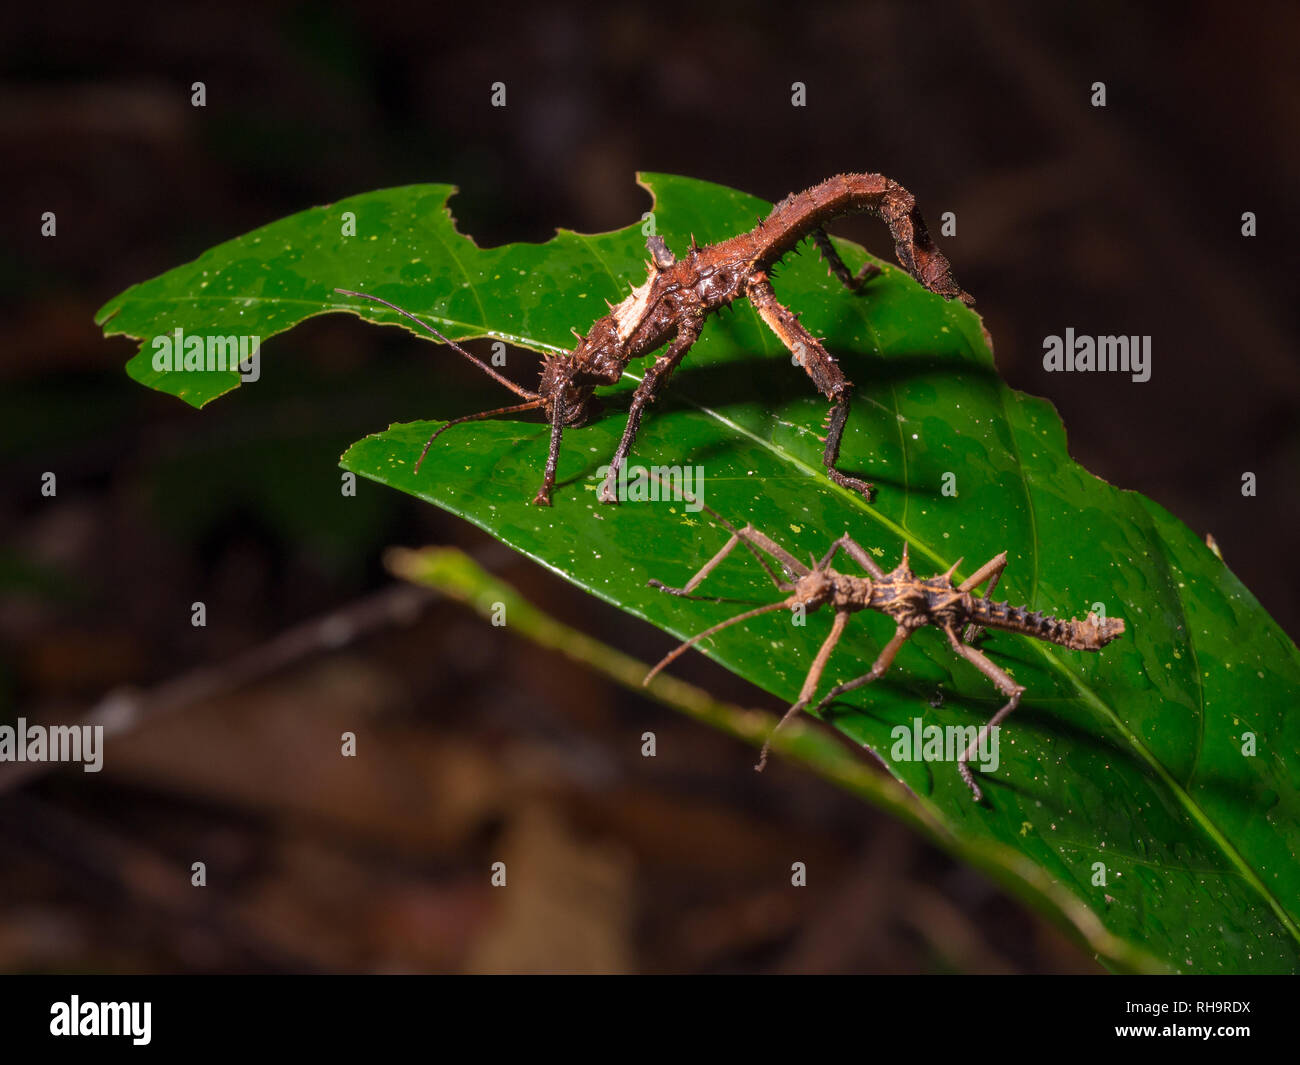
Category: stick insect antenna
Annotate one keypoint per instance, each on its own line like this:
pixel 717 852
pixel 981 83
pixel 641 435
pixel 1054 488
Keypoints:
pixel 516 389
pixel 532 404
pixel 710 631
pixel 652 583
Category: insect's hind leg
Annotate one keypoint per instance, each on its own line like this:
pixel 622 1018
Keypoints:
pixel 1005 683
pixel 990 571
pixel 852 282
pixel 854 550
pixel 818 365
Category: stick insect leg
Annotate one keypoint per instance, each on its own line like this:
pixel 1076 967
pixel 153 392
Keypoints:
pixel 1004 682
pixel 543 497
pixel 839 415
pixel 852 282
pixel 757 543
pixel 819 365
pixel 810 682
pixel 749 535
pixel 855 552
pixel 991 571
pixel 883 661
pixel 687 333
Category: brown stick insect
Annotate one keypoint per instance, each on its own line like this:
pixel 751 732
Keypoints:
pixel 671 305
pixel 912 603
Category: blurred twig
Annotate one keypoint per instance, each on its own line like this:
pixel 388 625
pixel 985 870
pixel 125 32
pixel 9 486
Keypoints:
pixel 125 709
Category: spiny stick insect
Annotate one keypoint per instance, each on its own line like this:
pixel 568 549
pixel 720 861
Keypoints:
pixel 670 306
pixel 912 603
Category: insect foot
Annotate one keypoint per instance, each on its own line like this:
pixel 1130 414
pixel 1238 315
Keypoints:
pixel 668 310
pixel 913 603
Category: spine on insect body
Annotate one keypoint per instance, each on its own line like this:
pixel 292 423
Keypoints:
pixel 1089 634
pixel 799 214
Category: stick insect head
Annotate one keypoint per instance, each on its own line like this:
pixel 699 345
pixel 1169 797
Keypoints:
pixel 814 588
pixel 580 404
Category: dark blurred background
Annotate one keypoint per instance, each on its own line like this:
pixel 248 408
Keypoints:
pixel 475 745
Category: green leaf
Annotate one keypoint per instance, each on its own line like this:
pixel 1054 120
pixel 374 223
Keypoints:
pixel 1129 762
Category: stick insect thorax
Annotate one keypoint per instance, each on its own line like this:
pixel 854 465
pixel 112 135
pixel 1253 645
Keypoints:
pixel 913 603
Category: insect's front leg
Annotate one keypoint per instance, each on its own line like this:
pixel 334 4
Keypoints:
pixel 749 535
pixel 854 549
pixel 819 365
pixel 688 331
pixel 543 497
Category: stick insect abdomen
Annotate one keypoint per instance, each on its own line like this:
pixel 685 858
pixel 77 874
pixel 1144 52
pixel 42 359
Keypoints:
pixel 1089 634
pixel 800 214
